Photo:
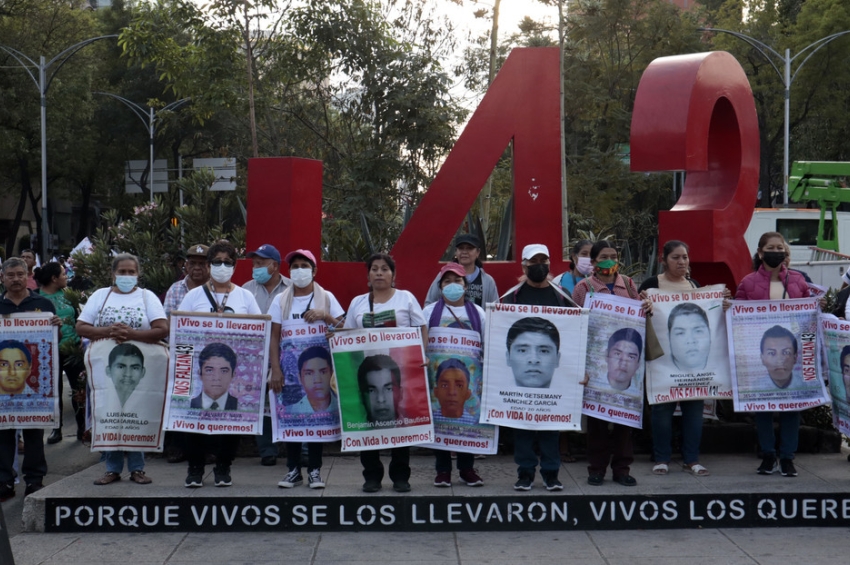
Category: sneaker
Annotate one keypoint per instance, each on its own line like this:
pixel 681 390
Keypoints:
pixel 7 491
pixel 788 469
pixel 443 479
pixel 222 476
pixel 552 483
pixel 314 479
pixel 55 436
pixel 768 465
pixel 195 478
pixel 471 478
pixel 401 486
pixel 371 485
pixel 523 483
pixel 292 479
pixel 595 480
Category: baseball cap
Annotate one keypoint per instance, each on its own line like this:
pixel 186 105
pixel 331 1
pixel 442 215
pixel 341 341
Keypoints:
pixel 455 268
pixel 468 238
pixel 198 250
pixel 530 251
pixel 302 252
pixel 266 251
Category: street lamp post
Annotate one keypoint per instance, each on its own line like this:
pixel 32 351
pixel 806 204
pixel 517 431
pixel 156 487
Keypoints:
pixel 148 118
pixel 786 77
pixel 42 82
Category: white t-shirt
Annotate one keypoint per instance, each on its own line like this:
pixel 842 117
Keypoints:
pixel 137 309
pixel 239 301
pixel 402 310
pixel 301 304
pixel 449 321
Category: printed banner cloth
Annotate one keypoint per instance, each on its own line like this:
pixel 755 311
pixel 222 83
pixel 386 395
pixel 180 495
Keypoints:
pixel 836 336
pixel 456 381
pixel 775 355
pixel 383 388
pixel 218 378
pixel 307 409
pixel 691 329
pixel 615 353
pixel 534 362
pixel 29 371
pixel 128 384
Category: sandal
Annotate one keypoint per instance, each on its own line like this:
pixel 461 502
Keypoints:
pixel 696 469
pixel 140 478
pixel 107 478
pixel 660 469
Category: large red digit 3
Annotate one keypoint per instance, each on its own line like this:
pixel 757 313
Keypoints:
pixel 696 113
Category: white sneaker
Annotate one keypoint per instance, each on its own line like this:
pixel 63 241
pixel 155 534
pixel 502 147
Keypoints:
pixel 314 479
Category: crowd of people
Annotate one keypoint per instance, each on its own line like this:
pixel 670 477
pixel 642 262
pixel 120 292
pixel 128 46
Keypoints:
pixel 457 297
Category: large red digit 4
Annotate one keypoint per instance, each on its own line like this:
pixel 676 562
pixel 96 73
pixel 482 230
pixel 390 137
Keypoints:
pixel 696 113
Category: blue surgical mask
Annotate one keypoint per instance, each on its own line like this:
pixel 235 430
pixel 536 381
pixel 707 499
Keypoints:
pixel 453 292
pixel 126 283
pixel 261 275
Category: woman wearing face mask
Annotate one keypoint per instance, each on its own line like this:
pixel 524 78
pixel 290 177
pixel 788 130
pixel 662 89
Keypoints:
pixel 580 266
pixel 772 280
pixel 123 312
pixel 480 287
pixel 452 310
pixel 604 447
pixel 304 300
pixel 385 306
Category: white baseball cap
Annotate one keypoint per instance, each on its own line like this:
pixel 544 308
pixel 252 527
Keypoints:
pixel 530 251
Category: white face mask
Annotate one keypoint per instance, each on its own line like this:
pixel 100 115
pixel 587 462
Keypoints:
pixel 584 266
pixel 301 277
pixel 222 273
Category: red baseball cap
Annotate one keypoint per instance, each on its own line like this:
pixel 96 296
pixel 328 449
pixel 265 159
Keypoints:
pixel 455 268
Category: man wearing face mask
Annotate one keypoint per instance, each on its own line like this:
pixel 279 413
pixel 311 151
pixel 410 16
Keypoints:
pixel 266 281
pixel 537 290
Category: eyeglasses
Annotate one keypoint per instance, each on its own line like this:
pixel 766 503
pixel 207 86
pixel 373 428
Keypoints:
pixel 219 263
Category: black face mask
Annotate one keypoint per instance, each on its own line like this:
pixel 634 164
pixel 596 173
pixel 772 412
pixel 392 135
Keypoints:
pixel 773 258
pixel 538 272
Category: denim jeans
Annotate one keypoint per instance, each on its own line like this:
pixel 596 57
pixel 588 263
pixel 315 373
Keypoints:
pixel 662 430
pixel 789 433
pixel 444 461
pixel 526 459
pixel 115 461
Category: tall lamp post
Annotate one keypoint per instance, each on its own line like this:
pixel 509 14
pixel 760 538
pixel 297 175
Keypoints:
pixel 149 119
pixel 785 76
pixel 42 82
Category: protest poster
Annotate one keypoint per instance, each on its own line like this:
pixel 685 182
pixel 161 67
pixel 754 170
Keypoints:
pixel 691 331
pixel 217 383
pixel 128 383
pixel 775 354
pixel 836 337
pixel 29 371
pixel 307 409
pixel 383 388
pixel 534 362
pixel 615 353
pixel 456 381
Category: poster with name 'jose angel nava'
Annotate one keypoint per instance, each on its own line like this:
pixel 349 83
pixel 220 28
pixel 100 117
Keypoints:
pixel 217 382
pixel 534 363
pixel 775 352
pixel 615 353
pixel 691 331
pixel 29 371
pixel 836 336
pixel 383 389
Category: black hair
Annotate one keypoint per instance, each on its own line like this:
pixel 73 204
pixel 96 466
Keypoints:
pixel 686 309
pixel 222 245
pixel 598 247
pixel 377 363
pixel 670 246
pixel 452 364
pixel 380 256
pixel 218 350
pixel 127 350
pixel 762 242
pixel 577 247
pixel 314 352
pixel 625 334
pixel 844 353
pixel 44 274
pixel 537 325
pixel 778 332
pixel 15 344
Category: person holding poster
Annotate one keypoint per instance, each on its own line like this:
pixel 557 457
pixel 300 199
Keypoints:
pixel 123 312
pixel 532 340
pixel 580 266
pixel 604 447
pixel 452 380
pixel 218 295
pixel 690 344
pixel 15 367
pixel 772 280
pixel 480 287
pixel 384 307
pixel 307 301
